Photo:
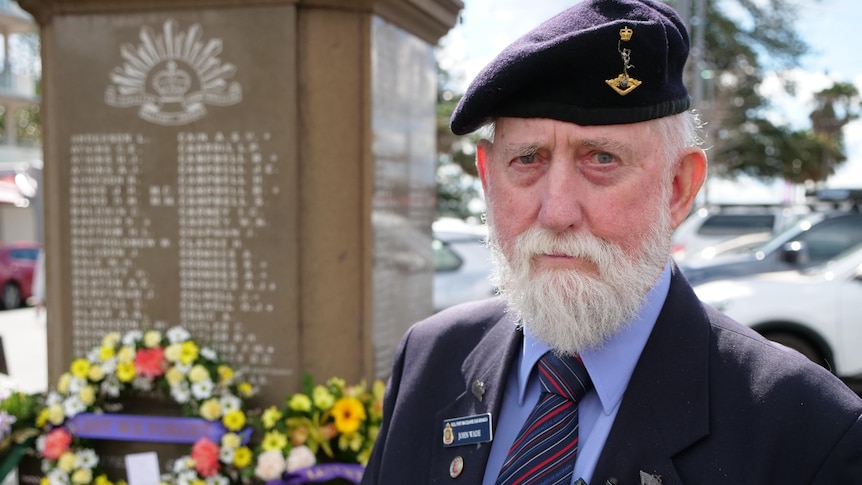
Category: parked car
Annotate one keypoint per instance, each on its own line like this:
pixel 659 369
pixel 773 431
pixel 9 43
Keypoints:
pixel 813 240
pixel 712 225
pixel 17 262
pixel 462 264
pixel 817 311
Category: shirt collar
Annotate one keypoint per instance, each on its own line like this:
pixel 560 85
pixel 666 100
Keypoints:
pixel 611 366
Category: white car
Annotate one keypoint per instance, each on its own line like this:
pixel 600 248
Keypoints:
pixel 817 311
pixel 713 225
pixel 462 264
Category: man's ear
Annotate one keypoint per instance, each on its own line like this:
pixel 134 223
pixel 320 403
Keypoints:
pixel 688 178
pixel 483 147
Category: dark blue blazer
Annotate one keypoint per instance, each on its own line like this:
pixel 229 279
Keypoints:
pixel 710 402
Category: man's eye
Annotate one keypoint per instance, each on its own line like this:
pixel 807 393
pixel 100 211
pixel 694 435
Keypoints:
pixel 604 158
pixel 527 159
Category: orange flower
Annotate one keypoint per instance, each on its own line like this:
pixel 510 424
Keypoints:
pixel 205 454
pixel 150 362
pixel 56 443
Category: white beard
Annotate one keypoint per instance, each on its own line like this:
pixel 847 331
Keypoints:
pixel 569 310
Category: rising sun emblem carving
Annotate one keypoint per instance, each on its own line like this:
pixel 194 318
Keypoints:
pixel 172 76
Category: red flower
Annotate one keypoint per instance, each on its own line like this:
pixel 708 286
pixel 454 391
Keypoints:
pixel 150 362
pixel 205 454
pixel 56 443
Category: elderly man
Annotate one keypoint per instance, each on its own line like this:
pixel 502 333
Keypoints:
pixel 598 364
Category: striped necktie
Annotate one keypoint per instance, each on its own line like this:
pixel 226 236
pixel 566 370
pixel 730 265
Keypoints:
pixel 544 451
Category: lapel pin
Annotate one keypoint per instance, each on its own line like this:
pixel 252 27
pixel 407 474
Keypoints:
pixel 623 84
pixel 456 467
pixel 478 389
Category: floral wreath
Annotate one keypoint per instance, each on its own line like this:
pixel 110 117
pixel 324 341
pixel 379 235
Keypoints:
pixel 170 364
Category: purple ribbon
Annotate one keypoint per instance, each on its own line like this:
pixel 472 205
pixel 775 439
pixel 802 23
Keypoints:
pixel 321 473
pixel 157 429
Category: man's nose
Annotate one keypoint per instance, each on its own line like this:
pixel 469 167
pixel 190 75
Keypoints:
pixel 561 194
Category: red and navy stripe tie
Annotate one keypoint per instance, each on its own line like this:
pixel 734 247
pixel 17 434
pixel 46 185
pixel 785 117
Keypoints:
pixel 544 451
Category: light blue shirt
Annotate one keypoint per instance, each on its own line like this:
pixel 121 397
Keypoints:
pixel 610 369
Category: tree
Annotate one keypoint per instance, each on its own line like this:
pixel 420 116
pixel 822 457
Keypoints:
pixel 458 190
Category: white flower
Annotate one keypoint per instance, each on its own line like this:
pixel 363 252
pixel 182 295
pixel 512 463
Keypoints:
pixel 58 477
pixel 132 337
pixel 300 457
pixel 94 355
pixel 225 454
pixel 141 383
pixel 270 465
pixel 110 366
pixel 181 464
pixel 209 353
pixel 178 334
pixel 183 368
pixel 53 398
pixel 180 392
pixel 87 458
pixel 202 389
pixel 217 480
pixel 73 406
pixel 76 384
pixel 40 443
pixel 110 386
pixel 229 403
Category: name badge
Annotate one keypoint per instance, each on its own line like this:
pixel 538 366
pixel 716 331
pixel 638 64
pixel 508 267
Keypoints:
pixel 467 430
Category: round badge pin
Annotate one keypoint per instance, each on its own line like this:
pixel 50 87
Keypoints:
pixel 456 467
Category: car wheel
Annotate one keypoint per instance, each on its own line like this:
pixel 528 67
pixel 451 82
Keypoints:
pixel 11 296
pixel 800 345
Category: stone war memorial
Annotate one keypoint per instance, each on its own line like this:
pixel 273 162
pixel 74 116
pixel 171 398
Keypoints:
pixel 235 188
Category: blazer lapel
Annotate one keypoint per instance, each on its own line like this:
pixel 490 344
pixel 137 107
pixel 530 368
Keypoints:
pixel 665 408
pixel 485 371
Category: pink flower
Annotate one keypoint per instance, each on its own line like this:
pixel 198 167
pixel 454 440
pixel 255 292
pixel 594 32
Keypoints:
pixel 150 362
pixel 56 443
pixel 205 453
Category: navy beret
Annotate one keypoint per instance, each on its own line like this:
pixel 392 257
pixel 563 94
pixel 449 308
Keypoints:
pixel 601 62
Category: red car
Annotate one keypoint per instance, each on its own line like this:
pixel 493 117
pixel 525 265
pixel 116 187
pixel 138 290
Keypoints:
pixel 17 262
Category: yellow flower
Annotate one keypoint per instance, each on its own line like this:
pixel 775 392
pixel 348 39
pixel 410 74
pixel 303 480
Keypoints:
pixel 273 440
pixel 126 371
pixel 106 353
pixel 80 368
pixel 63 383
pixel 378 389
pixel 322 398
pixel 174 376
pixel 96 374
pixel 189 352
pixel 234 420
pixel 300 403
pixel 152 338
pixel 67 461
pixel 270 417
pixel 349 413
pixel 56 415
pixel 111 339
pixel 245 389
pixel 231 441
pixel 199 373
pixel 44 481
pixel 42 419
pixel 210 409
pixel 102 480
pixel 225 374
pixel 82 476
pixel 173 352
pixel 87 394
pixel 242 457
pixel 126 354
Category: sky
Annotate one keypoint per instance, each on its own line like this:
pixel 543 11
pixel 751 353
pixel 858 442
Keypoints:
pixel 488 26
